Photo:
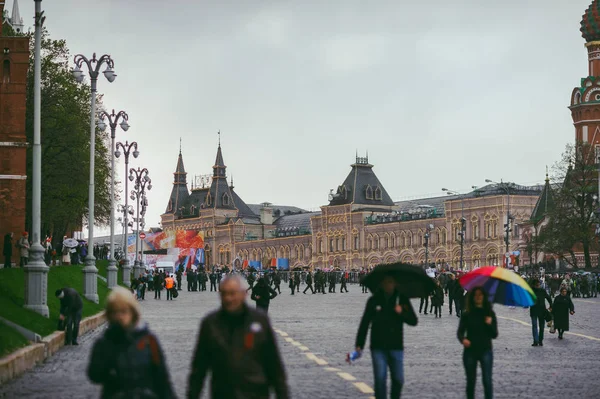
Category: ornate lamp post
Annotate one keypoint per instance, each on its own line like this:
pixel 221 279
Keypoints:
pixel 507 229
pixel 427 234
pixel 126 148
pixel 463 224
pixel 140 178
pixel 90 285
pixel 36 271
pixel 113 120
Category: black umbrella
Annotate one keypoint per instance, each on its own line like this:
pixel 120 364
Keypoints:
pixel 412 281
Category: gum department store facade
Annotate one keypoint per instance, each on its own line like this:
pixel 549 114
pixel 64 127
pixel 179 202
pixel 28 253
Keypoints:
pixel 360 227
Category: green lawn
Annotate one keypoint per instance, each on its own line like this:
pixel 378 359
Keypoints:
pixel 10 340
pixel 12 287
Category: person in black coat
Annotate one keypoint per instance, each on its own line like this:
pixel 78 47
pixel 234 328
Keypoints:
pixel 477 327
pixel 562 307
pixel 158 284
pixel 127 359
pixel 237 339
pixel 537 312
pixel 7 250
pixel 71 307
pixel 213 281
pixel 262 294
pixel 386 313
pixel 437 299
pixel 309 283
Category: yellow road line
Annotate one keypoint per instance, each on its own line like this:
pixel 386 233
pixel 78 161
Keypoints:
pixel 566 332
pixel 296 343
pixel 331 369
pixel 289 340
pixel 283 334
pixel 317 360
pixel 347 377
pixel 364 388
pixel 303 348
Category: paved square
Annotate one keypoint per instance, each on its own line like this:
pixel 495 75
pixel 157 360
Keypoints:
pixel 316 331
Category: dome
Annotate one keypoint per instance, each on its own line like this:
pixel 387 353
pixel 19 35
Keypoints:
pixel 590 24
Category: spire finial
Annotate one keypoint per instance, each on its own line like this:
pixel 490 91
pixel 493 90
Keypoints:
pixel 180 146
pixel 219 133
pixel 547 179
pixel 231 185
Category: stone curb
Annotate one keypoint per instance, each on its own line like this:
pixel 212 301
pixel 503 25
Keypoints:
pixel 16 363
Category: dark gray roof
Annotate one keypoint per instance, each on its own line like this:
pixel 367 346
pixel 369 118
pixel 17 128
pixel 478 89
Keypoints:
pixel 544 204
pixel 244 209
pixel 300 222
pixel 278 210
pixel 361 187
pixel 179 192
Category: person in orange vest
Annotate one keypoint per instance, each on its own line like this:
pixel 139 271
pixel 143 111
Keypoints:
pixel 169 285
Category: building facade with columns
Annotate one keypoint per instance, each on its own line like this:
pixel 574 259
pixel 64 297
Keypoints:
pixel 361 226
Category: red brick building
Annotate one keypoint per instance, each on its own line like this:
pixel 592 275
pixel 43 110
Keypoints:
pixel 14 63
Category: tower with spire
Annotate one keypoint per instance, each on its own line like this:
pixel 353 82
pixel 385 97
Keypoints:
pixel 15 20
pixel 586 97
pixel 179 192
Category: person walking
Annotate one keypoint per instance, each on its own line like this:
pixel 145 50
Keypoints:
pixel 386 312
pixel 23 245
pixel 292 284
pixel 238 338
pixel 158 285
pixel 71 307
pixel 127 360
pixel 7 250
pixel 476 329
pixel 309 283
pixel 343 281
pixel 437 299
pixel 262 294
pixel 537 313
pixel 169 286
pixel 277 282
pixel 562 307
pixel 178 275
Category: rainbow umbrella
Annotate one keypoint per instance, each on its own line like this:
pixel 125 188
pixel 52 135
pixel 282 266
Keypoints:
pixel 502 285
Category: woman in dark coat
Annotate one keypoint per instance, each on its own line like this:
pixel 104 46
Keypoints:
pixel 262 294
pixel 437 299
pixel 127 359
pixel 563 305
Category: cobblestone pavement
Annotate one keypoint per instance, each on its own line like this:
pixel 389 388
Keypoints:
pixel 316 331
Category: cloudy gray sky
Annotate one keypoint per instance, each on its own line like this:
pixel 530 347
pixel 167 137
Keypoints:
pixel 440 94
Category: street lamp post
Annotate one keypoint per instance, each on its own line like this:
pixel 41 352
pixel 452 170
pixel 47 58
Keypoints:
pixel 127 150
pixel 36 271
pixel 427 233
pixel 507 229
pixel 140 178
pixel 113 120
pixel 463 224
pixel 90 285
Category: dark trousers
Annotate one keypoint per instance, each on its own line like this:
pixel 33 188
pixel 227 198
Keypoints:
pixel 332 288
pixel 452 300
pixel 178 284
pixel 293 288
pixel 157 293
pixel 7 261
pixel 204 286
pixel 169 294
pixel 143 291
pixel 307 287
pixel 437 310
pixel 278 288
pixel 24 261
pixel 343 287
pixel 426 301
pixel 264 307
pixel 364 289
pixel 72 327
pixel 470 360
pixel 189 285
pixel 213 284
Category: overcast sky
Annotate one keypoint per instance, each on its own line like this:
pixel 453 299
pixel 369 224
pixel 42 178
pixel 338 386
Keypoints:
pixel 440 93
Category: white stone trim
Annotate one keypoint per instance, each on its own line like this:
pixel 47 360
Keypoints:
pixel 13 177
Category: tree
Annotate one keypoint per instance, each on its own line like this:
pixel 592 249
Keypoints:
pixel 572 219
pixel 65 116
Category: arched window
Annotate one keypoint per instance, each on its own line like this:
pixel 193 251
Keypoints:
pixel 6 71
pixel 377 193
pixel 343 243
pixel 369 192
pixel 356 242
pixel 331 243
pixel 225 199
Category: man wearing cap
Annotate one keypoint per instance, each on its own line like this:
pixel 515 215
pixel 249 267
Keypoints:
pixel 71 307
pixel 23 245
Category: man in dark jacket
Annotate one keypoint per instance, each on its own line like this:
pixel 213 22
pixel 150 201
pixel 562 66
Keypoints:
pixel 71 307
pixel 237 345
pixel 213 281
pixel 309 283
pixel 386 312
pixel 537 311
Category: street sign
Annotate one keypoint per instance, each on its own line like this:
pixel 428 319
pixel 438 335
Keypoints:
pixel 142 235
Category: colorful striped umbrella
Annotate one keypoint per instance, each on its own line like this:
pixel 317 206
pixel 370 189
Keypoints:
pixel 502 285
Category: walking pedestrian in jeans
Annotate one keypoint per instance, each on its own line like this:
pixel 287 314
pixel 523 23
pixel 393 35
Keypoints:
pixel 537 311
pixel 477 328
pixel 386 312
